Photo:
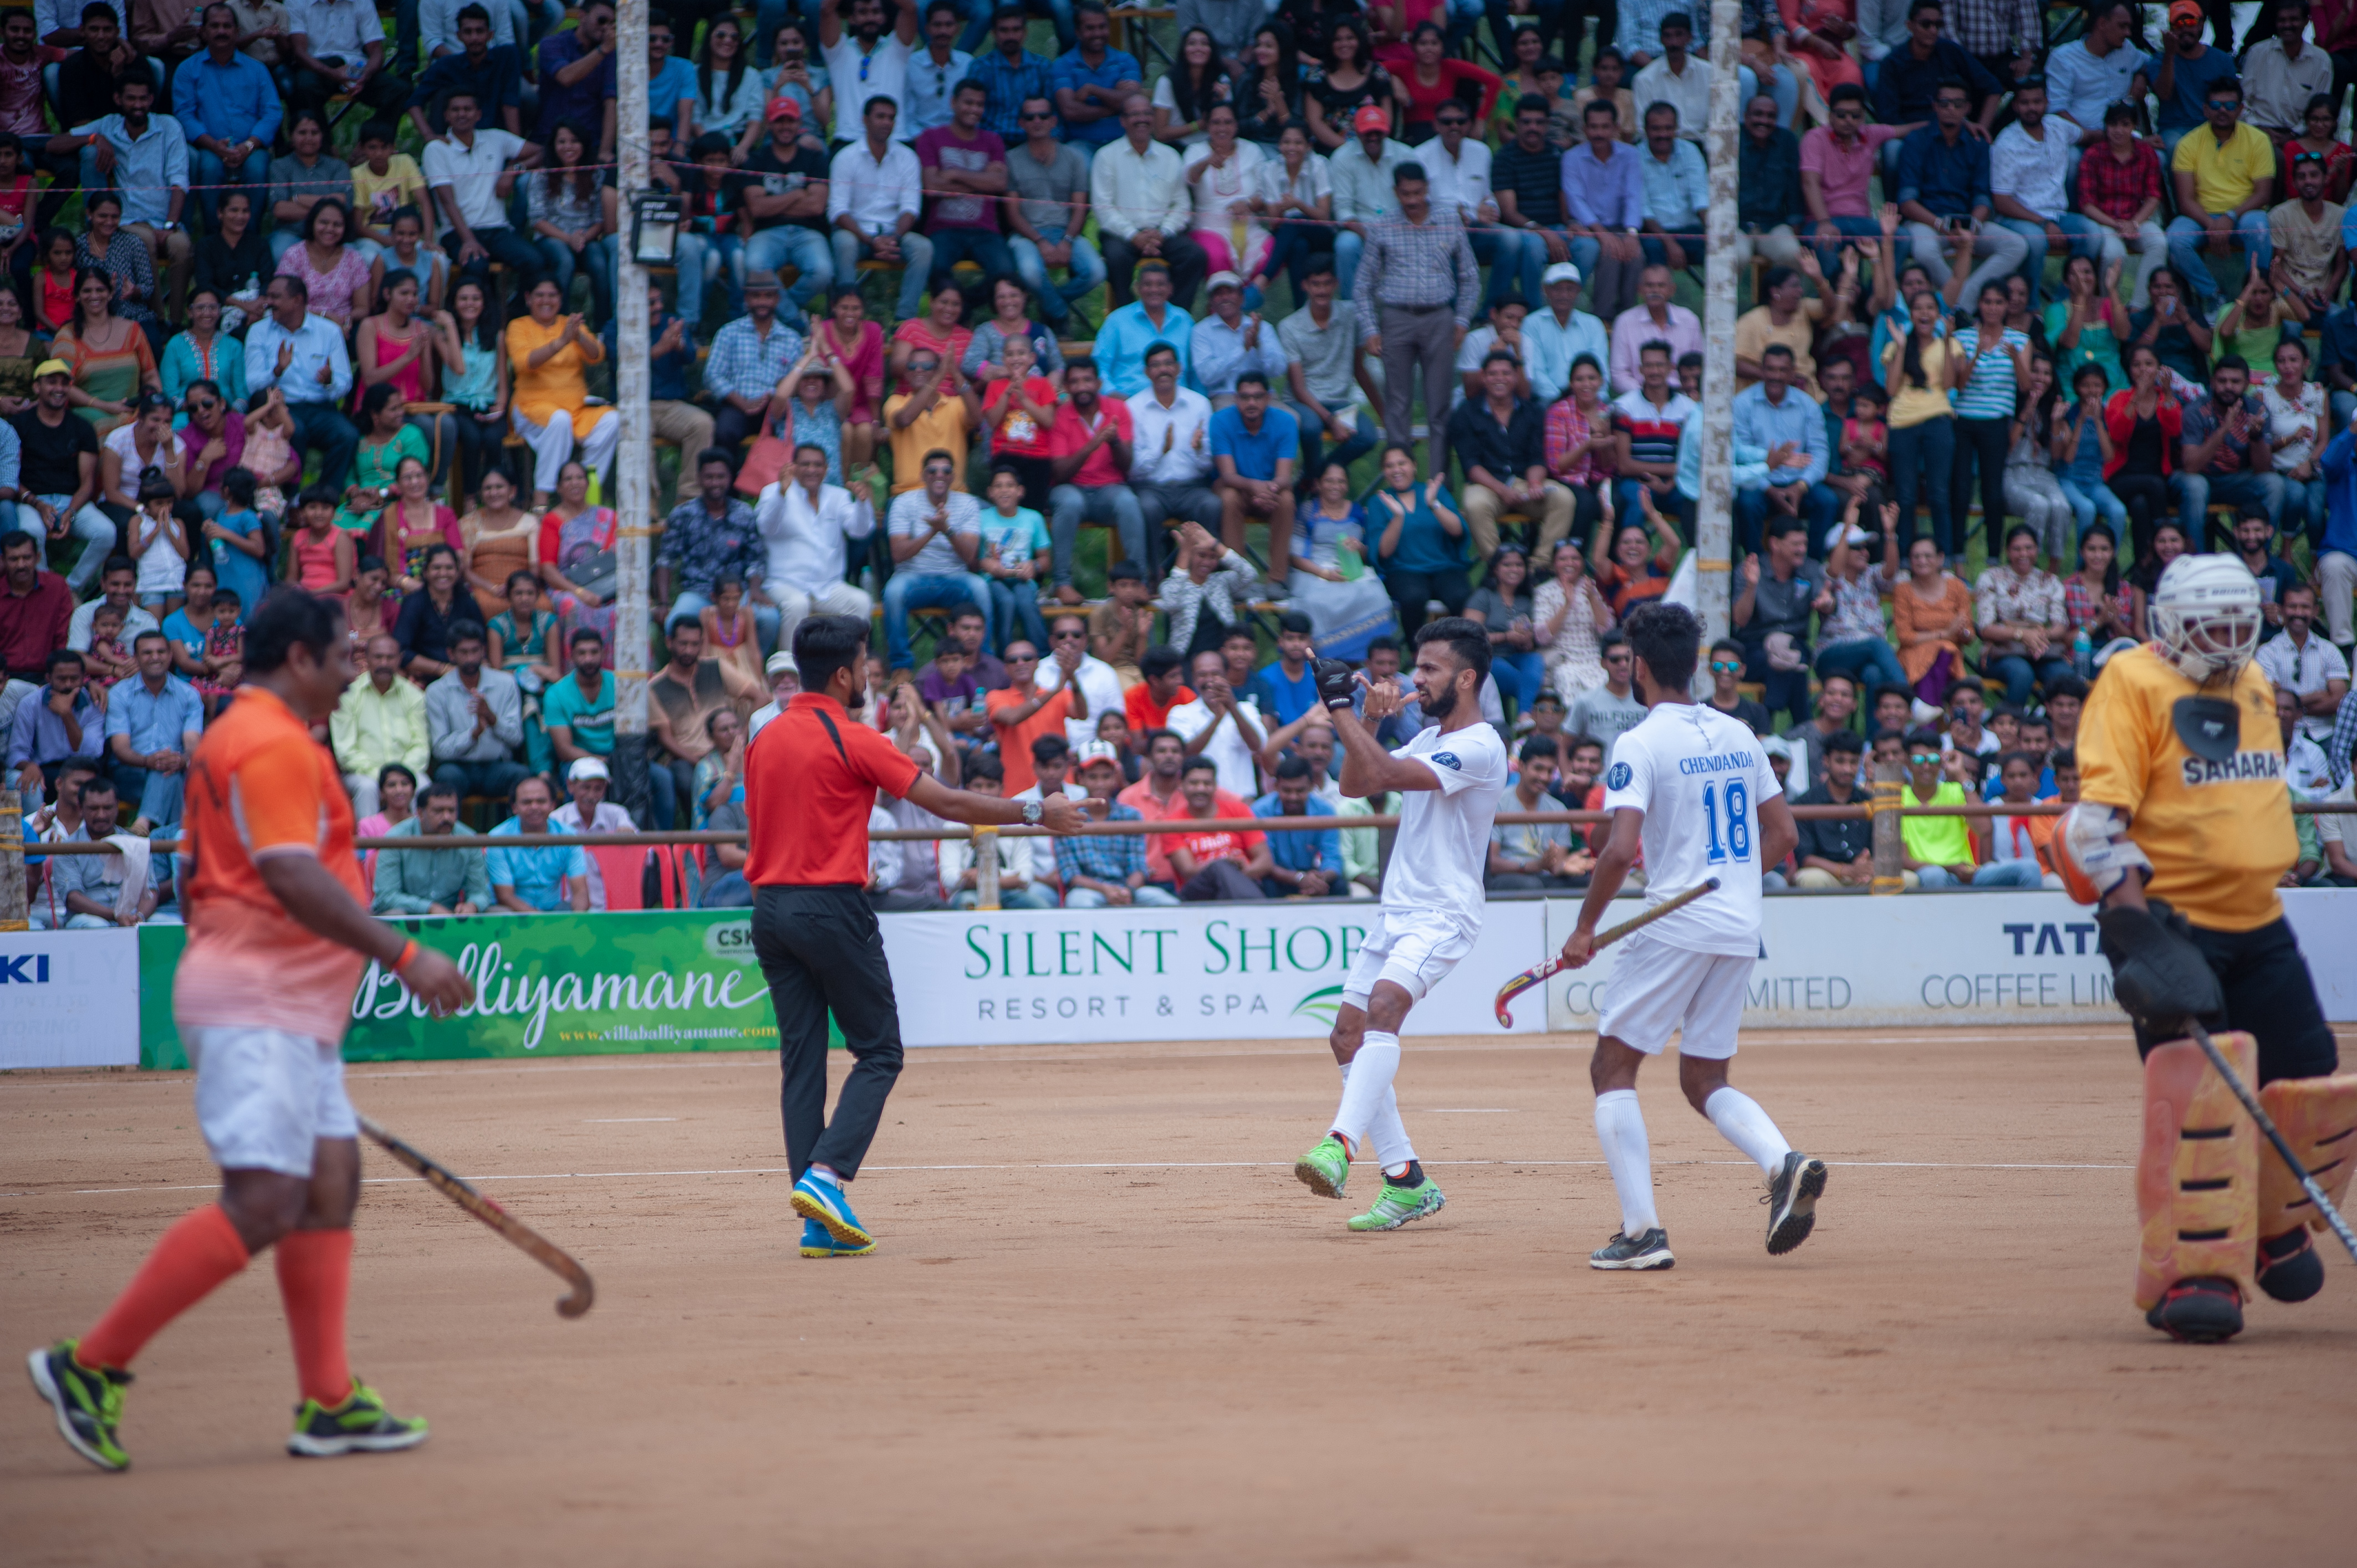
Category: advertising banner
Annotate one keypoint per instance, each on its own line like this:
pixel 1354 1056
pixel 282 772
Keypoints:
pixel 1931 958
pixel 66 999
pixel 545 984
pixel 1201 971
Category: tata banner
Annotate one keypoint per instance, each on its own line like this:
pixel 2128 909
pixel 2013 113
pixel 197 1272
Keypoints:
pixel 1919 959
pixel 549 986
pixel 66 999
pixel 1201 971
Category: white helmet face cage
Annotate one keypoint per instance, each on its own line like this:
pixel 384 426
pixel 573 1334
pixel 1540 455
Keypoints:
pixel 2205 612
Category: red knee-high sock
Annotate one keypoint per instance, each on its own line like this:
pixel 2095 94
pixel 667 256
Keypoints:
pixel 314 1280
pixel 195 1255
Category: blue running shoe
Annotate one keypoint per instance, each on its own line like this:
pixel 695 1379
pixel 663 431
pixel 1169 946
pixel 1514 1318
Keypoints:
pixel 824 1202
pixel 817 1243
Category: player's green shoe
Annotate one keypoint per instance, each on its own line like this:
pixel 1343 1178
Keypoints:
pixel 1324 1168
pixel 360 1425
pixel 1395 1206
pixel 89 1403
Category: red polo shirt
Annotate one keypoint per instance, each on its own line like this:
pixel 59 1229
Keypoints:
pixel 811 777
pixel 33 626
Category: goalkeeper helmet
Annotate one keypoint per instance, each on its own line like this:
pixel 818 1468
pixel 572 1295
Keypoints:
pixel 2205 614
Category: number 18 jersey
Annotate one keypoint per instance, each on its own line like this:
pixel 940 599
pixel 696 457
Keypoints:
pixel 1700 777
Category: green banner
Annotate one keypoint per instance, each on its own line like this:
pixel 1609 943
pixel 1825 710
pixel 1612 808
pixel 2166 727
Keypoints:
pixel 545 985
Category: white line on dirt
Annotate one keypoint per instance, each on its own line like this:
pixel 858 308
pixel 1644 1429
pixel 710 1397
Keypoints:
pixel 1091 1165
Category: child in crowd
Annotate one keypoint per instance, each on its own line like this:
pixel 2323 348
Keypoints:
pixel 1015 542
pixel 326 558
pixel 159 541
pixel 107 660
pixel 731 636
pixel 523 642
pixel 15 210
pixel 1113 728
pixel 1967 705
pixel 1866 445
pixel 1893 710
pixel 270 453
pixel 239 538
pixel 2006 724
pixel 412 253
pixel 384 182
pixel 1605 72
pixel 224 653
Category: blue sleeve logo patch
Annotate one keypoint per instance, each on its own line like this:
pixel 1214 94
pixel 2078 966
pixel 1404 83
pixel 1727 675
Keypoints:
pixel 1618 779
pixel 1447 760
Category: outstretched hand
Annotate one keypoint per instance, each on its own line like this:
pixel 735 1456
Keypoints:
pixel 1062 815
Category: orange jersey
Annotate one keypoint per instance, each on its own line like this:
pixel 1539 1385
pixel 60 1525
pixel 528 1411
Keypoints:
pixel 258 785
pixel 2219 834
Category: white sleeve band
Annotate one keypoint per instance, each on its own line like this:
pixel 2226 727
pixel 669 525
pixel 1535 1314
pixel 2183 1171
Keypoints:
pixel 2099 842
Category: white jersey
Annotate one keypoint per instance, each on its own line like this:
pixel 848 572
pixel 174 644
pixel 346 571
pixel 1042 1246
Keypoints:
pixel 1443 845
pixel 1700 777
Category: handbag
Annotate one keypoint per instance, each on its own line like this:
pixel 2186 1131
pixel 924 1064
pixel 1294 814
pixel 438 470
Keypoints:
pixel 765 464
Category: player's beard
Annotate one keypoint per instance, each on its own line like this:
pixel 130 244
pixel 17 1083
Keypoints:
pixel 1443 703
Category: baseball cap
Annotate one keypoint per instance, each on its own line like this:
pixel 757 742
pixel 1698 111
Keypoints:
pixel 1371 118
pixel 52 368
pixel 586 768
pixel 1562 271
pixel 1219 281
pixel 1096 751
pixel 785 109
pixel 1856 535
pixel 779 664
pixel 2185 11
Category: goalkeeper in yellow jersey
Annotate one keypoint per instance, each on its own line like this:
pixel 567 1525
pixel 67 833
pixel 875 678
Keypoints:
pixel 2182 832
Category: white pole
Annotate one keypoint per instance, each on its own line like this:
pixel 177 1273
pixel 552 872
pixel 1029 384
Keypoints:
pixel 635 456
pixel 1714 519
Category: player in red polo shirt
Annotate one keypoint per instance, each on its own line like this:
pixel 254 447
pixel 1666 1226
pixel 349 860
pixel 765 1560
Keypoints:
pixel 810 777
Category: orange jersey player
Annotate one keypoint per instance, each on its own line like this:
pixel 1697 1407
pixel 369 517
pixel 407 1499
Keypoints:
pixel 278 933
pixel 2182 832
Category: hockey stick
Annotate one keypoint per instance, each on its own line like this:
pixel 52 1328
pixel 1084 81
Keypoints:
pixel 454 1187
pixel 1538 973
pixel 2266 1124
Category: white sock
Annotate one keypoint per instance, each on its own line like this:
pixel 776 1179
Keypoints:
pixel 1621 1128
pixel 1741 1123
pixel 825 1174
pixel 1366 1090
pixel 1388 1133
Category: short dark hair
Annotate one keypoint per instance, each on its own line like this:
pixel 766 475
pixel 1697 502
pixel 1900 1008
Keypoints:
pixel 824 644
pixel 439 791
pixel 1161 347
pixel 1844 741
pixel 1410 170
pixel 1676 19
pixel 1468 639
pixel 1050 748
pixel 1291 767
pixel 1255 378
pixel 1200 764
pixel 97 784
pixel 1386 643
pixel 1127 571
pixel 582 634
pixel 1295 621
pixel 1536 748
pixel 2072 686
pixel 1922 734
pixel 288 615
pixel 1668 638
pixel 2229 361
pixel 1159 659
pixel 467 629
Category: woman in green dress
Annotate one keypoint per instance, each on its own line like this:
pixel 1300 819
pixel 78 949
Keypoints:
pixel 388 438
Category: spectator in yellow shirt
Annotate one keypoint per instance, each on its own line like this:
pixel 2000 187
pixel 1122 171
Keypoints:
pixel 2225 176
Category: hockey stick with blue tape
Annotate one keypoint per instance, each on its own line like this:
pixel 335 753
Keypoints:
pixel 1537 974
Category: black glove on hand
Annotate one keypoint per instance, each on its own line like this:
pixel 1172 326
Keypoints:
pixel 2158 974
pixel 1337 683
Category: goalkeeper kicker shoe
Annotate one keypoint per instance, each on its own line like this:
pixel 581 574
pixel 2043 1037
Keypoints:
pixel 817 1243
pixel 2206 1311
pixel 360 1425
pixel 1791 1200
pixel 2290 1269
pixel 1395 1206
pixel 823 1201
pixel 89 1403
pixel 1651 1250
pixel 1324 1168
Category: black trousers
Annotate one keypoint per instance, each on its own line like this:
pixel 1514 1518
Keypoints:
pixel 1189 267
pixel 821 950
pixel 2149 504
pixel 2270 996
pixel 1412 591
pixel 1980 443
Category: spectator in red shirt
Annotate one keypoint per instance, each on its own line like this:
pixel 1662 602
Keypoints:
pixel 36 609
pixel 1089 457
pixel 1218 866
pixel 1164 687
pixel 1022 713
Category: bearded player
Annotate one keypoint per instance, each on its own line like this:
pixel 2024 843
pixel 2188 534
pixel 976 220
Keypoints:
pixel 1450 776
pixel 278 933
pixel 1691 787
pixel 2182 832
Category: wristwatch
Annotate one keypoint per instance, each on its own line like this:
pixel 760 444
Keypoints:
pixel 1032 811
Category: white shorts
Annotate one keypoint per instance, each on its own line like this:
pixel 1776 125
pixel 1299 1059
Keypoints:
pixel 265 1095
pixel 1413 951
pixel 1657 990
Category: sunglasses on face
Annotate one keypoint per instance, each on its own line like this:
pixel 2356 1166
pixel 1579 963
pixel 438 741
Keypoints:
pixel 1023 659
pixel 1036 115
pixel 1923 756
pixel 1725 667
pixel 1069 637
pixel 2225 103
pixel 1616 658
pixel 201 405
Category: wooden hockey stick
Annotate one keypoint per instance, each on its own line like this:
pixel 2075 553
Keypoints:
pixel 2266 1124
pixel 1537 974
pixel 455 1188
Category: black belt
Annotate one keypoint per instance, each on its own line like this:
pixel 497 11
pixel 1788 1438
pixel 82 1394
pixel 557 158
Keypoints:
pixel 1444 305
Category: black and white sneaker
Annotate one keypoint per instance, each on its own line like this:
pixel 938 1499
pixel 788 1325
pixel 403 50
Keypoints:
pixel 1791 1200
pixel 1651 1250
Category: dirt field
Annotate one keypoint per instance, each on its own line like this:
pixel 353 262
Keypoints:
pixel 1106 1326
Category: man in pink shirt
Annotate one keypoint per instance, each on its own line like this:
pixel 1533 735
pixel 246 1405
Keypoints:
pixel 20 78
pixel 1835 161
pixel 965 172
pixel 1089 454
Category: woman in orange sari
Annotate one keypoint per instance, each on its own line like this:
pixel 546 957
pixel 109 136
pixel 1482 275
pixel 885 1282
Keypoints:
pixel 552 410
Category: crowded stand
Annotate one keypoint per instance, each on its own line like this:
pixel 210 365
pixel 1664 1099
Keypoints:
pixel 1116 368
